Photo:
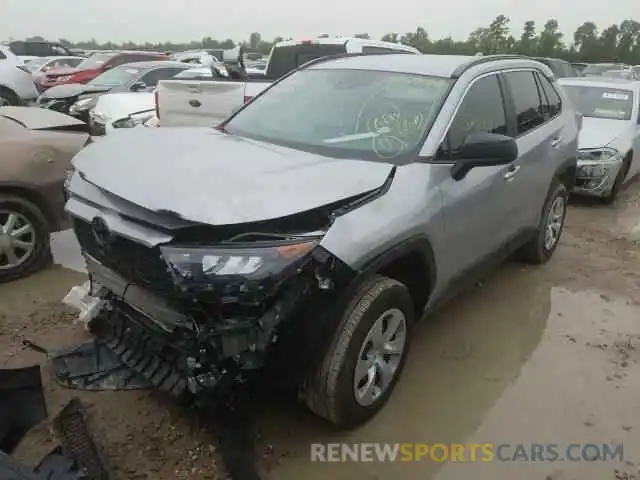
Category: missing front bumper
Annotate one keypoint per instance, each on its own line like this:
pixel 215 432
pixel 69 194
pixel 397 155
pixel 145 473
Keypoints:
pixel 167 347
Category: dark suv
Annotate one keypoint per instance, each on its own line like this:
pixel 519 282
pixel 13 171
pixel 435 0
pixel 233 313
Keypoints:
pixel 39 49
pixel 560 68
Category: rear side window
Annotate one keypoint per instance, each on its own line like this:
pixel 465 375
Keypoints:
pixel 482 109
pixel 526 99
pixel 152 78
pixel 2 55
pixel 552 104
pixel 287 58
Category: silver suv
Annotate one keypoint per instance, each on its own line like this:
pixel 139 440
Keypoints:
pixel 308 232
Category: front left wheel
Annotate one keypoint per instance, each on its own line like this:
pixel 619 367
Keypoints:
pixel 24 238
pixel 367 354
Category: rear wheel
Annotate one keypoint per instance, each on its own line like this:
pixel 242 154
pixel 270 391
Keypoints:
pixel 539 249
pixel 24 238
pixel 366 356
pixel 8 97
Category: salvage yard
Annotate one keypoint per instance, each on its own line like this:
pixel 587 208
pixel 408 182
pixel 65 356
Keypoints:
pixel 542 354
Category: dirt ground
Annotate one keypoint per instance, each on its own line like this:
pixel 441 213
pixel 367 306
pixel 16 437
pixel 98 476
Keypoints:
pixel 534 355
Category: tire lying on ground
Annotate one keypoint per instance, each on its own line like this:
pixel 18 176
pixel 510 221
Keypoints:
pixel 366 355
pixel 24 238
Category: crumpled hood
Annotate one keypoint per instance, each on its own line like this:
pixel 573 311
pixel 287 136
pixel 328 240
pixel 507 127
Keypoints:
pixel 599 132
pixel 205 176
pixel 72 90
pixel 115 106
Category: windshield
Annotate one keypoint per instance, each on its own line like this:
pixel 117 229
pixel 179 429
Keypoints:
pixel 601 102
pixel 369 115
pixel 96 60
pixel 35 63
pixel 116 76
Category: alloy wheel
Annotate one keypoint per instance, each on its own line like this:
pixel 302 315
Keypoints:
pixel 379 357
pixel 17 239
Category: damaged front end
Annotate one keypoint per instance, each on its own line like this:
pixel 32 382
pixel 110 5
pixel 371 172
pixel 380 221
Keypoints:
pixel 597 171
pixel 190 318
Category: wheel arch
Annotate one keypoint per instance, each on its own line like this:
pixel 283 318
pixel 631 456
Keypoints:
pixel 411 262
pixel 31 195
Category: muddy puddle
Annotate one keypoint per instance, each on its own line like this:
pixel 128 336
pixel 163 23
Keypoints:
pixel 517 362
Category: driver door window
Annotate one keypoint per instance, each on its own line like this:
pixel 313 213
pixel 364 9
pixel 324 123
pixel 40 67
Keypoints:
pixel 482 109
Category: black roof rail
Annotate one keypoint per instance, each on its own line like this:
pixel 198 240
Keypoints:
pixel 486 59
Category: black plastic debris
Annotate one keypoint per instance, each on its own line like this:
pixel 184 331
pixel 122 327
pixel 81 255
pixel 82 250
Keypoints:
pixel 22 405
pixel 78 443
pixel 55 466
pixel 93 366
pixel 10 469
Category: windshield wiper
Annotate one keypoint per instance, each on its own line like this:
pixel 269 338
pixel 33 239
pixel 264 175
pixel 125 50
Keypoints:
pixel 357 136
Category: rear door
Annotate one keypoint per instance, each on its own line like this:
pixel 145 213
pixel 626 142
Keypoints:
pixel 540 138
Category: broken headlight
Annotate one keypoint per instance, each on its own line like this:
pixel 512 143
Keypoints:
pixel 205 264
pixel 597 162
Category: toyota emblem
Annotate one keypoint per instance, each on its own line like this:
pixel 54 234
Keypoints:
pixel 101 232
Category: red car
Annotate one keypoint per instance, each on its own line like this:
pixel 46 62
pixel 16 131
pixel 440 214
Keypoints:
pixel 92 67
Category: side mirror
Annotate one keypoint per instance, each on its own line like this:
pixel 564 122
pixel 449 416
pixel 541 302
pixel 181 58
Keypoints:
pixel 483 149
pixel 136 87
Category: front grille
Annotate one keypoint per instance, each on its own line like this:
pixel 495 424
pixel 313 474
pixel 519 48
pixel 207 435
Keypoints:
pixel 140 265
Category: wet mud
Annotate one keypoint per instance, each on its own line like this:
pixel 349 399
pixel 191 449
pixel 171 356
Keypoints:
pixel 533 355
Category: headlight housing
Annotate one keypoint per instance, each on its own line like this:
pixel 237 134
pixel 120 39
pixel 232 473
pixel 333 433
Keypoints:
pixel 604 154
pixel 597 162
pixel 83 105
pixel 206 265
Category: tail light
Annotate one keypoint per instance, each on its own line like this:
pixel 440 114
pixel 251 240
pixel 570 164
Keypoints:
pixel 247 99
pixel 155 96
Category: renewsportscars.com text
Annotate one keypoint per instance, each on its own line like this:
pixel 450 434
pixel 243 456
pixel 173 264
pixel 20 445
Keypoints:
pixel 466 452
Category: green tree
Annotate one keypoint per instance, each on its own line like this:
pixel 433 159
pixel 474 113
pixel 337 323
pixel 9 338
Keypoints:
pixel 585 41
pixel 609 43
pixel 362 35
pixel 528 43
pixel 550 40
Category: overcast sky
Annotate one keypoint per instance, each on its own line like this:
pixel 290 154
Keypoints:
pixel 182 20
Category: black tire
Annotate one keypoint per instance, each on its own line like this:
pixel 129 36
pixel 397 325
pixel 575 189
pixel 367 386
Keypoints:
pixel 8 97
pixel 617 186
pixel 330 391
pixel 41 253
pixel 534 251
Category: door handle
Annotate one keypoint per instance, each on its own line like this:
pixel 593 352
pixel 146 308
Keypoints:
pixel 555 143
pixel 512 172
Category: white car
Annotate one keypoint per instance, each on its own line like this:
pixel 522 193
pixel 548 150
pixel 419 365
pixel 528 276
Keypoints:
pixel 16 82
pixel 42 64
pixel 121 110
pixel 609 142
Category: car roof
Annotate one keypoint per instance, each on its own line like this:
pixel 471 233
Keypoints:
pixel 596 81
pixel 149 64
pixel 448 66
pixel 351 40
